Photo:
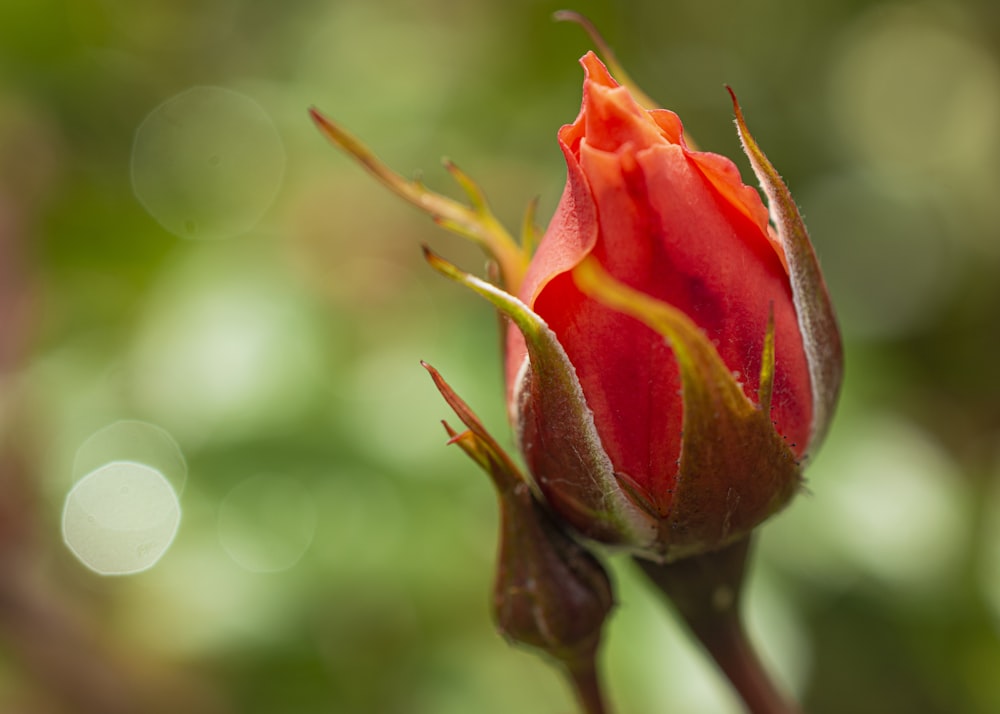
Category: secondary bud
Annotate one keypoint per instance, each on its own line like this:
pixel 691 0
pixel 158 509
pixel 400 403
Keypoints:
pixel 550 593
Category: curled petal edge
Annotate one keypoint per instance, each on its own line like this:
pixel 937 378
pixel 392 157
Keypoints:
pixel 607 54
pixel 609 57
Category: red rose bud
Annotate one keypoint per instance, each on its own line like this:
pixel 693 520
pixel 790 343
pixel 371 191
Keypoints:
pixel 676 356
pixel 550 593
pixel 672 356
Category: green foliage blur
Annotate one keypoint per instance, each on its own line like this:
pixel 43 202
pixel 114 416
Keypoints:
pixel 252 293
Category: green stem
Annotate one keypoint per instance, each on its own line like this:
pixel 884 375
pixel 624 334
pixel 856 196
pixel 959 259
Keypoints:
pixel 706 591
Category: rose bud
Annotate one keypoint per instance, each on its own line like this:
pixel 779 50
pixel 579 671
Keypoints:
pixel 550 593
pixel 672 355
pixel 676 357
pixel 700 353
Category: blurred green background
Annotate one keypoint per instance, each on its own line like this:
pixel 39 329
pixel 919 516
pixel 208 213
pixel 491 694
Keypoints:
pixel 192 278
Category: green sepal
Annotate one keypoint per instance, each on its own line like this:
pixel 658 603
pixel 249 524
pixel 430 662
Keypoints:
pixel 817 321
pixel 475 222
pixel 591 498
pixel 477 442
pixel 550 592
pixel 735 470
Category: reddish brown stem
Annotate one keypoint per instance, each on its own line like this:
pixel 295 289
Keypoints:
pixel 586 683
pixel 706 590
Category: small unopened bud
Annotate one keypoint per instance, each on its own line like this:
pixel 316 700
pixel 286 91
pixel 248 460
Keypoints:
pixel 550 592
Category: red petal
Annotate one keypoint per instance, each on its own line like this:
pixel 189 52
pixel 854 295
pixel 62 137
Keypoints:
pixel 571 235
pixel 683 228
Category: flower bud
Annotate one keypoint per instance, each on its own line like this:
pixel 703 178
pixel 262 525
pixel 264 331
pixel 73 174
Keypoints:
pixel 672 357
pixel 683 357
pixel 550 593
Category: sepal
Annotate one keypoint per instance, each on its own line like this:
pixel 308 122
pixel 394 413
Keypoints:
pixel 579 482
pixel 735 470
pixel 477 442
pixel 475 221
pixel 817 321
pixel 550 593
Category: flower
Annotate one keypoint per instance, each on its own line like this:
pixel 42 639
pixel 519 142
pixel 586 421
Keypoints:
pixel 704 354
pixel 672 359
pixel 672 355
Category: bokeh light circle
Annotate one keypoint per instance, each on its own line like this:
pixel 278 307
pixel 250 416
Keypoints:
pixel 136 441
pixel 911 93
pixel 266 523
pixel 207 163
pixel 121 518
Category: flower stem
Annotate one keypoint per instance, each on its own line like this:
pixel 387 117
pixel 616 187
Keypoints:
pixel 706 591
pixel 586 682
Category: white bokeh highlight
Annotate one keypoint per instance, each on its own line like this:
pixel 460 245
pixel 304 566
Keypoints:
pixel 227 348
pixel 121 518
pixel 207 163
